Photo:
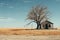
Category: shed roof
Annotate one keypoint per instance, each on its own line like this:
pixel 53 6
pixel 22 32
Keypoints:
pixel 47 21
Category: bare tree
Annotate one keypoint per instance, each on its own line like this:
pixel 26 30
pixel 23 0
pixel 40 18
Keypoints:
pixel 37 14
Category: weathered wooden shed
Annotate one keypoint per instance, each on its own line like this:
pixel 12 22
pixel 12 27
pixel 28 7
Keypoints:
pixel 46 25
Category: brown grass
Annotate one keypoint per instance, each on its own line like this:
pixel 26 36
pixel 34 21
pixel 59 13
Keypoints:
pixel 28 32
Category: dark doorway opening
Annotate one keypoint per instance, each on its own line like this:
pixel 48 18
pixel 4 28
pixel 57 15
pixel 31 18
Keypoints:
pixel 46 26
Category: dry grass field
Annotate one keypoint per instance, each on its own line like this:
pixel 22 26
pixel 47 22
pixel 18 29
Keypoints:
pixel 25 37
pixel 28 32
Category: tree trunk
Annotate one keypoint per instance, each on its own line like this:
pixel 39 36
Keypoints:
pixel 38 25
